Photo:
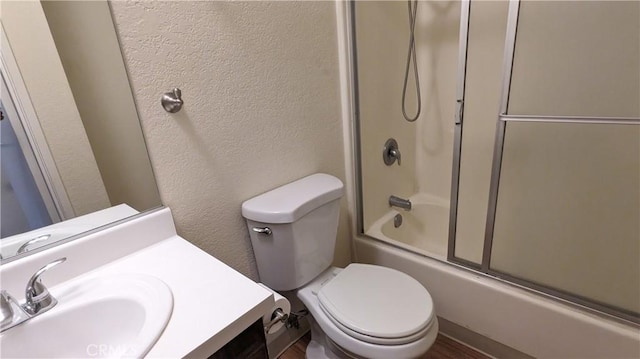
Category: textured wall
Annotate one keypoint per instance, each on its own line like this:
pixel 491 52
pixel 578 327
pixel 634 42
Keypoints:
pixel 260 83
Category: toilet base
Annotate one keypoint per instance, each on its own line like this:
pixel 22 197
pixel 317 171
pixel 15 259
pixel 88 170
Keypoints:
pixel 316 351
pixel 321 347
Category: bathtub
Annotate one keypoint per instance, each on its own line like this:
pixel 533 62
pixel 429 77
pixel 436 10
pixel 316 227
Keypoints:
pixel 424 228
pixel 518 318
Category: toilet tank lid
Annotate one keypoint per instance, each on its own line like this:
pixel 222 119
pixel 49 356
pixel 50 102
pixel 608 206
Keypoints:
pixel 292 201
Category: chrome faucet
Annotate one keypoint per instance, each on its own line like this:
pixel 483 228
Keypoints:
pixel 37 300
pixel 400 203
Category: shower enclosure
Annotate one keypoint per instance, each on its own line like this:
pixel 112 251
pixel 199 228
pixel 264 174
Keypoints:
pixel 524 163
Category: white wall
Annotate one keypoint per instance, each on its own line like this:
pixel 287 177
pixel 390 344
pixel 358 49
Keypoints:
pixel 262 108
pixel 438 36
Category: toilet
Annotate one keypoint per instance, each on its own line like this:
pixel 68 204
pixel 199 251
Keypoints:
pixel 361 311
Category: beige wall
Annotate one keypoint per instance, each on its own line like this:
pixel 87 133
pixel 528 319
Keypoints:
pixel 35 52
pixel 86 41
pixel 262 108
pixel 382 30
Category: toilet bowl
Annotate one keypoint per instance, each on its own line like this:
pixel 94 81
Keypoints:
pixel 399 323
pixel 361 311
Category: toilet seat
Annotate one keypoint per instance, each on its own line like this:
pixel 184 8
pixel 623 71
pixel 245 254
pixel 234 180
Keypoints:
pixel 377 305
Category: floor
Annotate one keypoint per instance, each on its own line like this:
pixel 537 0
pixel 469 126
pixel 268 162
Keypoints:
pixel 443 348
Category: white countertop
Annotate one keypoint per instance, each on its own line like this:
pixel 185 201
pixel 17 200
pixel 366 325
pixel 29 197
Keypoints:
pixel 212 302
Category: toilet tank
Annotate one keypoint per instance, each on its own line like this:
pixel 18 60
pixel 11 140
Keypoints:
pixel 299 223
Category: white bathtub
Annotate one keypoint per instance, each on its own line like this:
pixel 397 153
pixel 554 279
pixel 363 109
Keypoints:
pixel 528 322
pixel 424 229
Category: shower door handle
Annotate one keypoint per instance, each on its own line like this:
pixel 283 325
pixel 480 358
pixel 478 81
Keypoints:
pixel 460 111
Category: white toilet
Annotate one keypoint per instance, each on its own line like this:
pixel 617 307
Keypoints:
pixel 361 311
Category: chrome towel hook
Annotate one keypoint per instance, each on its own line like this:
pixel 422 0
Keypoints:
pixel 172 101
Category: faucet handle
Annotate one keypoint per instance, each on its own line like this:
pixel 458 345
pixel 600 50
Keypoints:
pixel 397 155
pixel 37 297
pixel 391 152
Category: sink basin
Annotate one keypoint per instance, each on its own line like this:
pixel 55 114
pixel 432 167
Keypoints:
pixel 115 316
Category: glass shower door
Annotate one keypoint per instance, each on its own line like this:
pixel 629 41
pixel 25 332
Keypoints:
pixel 565 206
pixel 381 37
pixel 26 201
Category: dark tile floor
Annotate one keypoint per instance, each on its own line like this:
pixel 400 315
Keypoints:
pixel 443 348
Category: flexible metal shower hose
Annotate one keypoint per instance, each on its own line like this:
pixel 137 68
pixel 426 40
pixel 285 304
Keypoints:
pixel 413 11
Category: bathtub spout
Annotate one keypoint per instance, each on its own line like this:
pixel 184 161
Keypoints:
pixel 400 203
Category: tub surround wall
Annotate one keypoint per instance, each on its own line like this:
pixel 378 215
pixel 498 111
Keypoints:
pixel 438 29
pixel 382 39
pixel 535 325
pixel 262 108
pixel 382 30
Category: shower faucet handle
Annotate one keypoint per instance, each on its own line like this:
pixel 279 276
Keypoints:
pixel 391 152
pixel 397 155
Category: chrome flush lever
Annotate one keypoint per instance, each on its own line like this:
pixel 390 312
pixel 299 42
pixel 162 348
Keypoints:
pixel 264 230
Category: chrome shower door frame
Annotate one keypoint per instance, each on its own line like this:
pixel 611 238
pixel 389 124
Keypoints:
pixel 457 136
pixel 502 119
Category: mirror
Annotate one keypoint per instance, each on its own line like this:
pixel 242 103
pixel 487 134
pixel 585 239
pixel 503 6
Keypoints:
pixel 73 154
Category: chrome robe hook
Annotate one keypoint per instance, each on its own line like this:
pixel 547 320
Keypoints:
pixel 172 101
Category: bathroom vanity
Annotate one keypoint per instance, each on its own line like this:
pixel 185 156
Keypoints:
pixel 211 303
